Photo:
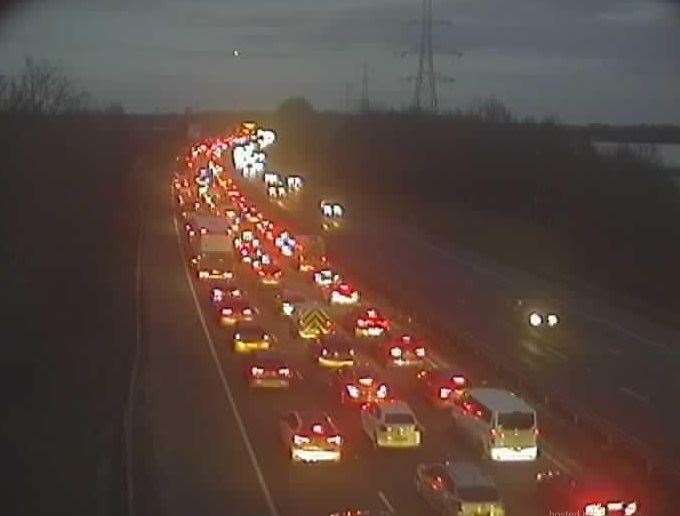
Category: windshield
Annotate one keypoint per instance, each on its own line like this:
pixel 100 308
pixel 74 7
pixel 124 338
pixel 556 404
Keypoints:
pixel 516 420
pixel 478 494
pixel 399 419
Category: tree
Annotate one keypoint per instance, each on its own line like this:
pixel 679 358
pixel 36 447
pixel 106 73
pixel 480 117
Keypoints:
pixel 41 89
pixel 295 109
pixel 491 110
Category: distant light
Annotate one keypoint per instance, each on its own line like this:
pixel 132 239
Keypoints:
pixel 236 53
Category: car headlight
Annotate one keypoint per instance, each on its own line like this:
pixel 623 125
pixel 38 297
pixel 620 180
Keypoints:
pixel 535 319
pixel 553 320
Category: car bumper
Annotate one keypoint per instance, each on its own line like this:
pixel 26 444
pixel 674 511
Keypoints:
pixel 408 441
pixel 514 455
pixel 270 383
pixel 305 455
pixel 335 362
pixel 247 347
pixel 369 332
pixel 270 281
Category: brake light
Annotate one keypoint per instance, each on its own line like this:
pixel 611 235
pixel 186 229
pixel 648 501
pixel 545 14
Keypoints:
pixel 227 311
pixel 382 392
pixel 353 391
pixel 631 508
pixel 366 381
pixel 256 371
pixel 444 392
pixel 317 428
pixel 284 371
pixel 595 509
pixel 458 381
pixel 420 352
pixel 192 232
pixel 406 339
pixel 395 352
pixel 247 311
pixel 204 231
pixel 336 440
pixel 300 439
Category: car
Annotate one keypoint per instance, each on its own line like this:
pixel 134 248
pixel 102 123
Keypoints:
pixel 249 337
pixel 358 386
pixel 498 423
pixel 213 268
pixel 288 301
pixel 310 321
pixel 310 436
pixel 269 274
pixel 220 295
pixel 343 294
pixel 537 313
pixel 326 277
pixel 362 511
pixel 335 351
pixel 269 370
pixel 236 310
pixel 589 495
pixel 405 350
pixel 371 323
pixel 249 253
pixel 443 387
pixel 391 424
pixel 459 488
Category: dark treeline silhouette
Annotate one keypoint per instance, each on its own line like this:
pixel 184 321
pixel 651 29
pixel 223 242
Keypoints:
pixel 535 194
pixel 68 255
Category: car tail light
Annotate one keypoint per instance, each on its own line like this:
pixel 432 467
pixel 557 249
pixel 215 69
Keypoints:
pixel 353 391
pixel 372 313
pixel 187 226
pixel 256 371
pixel 458 381
pixel 382 392
pixel 630 509
pixel 265 336
pixel 284 371
pixel 351 352
pixel 444 393
pixel 317 428
pixel 395 352
pixel 192 232
pixel 361 323
pixel 336 440
pixel 324 352
pixel 203 274
pixel 227 311
pixel 366 381
pixel 594 509
pixel 420 352
pixel 300 439
pixel 204 231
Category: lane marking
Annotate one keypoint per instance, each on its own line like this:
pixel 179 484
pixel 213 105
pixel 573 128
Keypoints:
pixel 386 502
pixel 132 388
pixel 227 390
pixel 633 394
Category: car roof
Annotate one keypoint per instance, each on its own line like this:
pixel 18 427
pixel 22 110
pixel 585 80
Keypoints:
pixel 248 326
pixel 467 474
pixel 499 399
pixel 396 407
pixel 269 356
pixel 312 416
pixel 336 341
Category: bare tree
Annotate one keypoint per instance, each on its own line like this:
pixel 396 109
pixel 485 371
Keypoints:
pixel 41 89
pixel 491 110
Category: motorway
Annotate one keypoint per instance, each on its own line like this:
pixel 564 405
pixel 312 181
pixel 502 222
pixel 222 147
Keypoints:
pixel 204 443
pixel 624 368
pixel 192 456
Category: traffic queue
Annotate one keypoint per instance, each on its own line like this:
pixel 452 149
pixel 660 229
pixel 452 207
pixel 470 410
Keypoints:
pixel 228 237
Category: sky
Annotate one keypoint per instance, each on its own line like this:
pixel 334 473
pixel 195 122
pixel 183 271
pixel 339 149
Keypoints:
pixel 615 61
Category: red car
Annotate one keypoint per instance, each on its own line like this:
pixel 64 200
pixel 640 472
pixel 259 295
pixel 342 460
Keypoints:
pixel 269 370
pixel 269 274
pixel 443 387
pixel 403 351
pixel 358 386
pixel 371 324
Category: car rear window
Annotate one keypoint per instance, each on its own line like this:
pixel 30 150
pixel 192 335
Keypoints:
pixel 478 494
pixel 399 419
pixel 250 333
pixel 516 420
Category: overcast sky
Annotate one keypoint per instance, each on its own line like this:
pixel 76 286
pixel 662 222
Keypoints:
pixel 584 60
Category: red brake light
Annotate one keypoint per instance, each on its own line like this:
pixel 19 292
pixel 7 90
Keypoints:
pixel 317 428
pixel 458 381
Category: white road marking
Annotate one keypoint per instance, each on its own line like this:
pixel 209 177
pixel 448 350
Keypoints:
pixel 633 394
pixel 555 353
pixel 227 390
pixel 385 501
pixel 129 409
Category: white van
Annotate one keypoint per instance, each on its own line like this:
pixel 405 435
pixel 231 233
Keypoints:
pixel 501 424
